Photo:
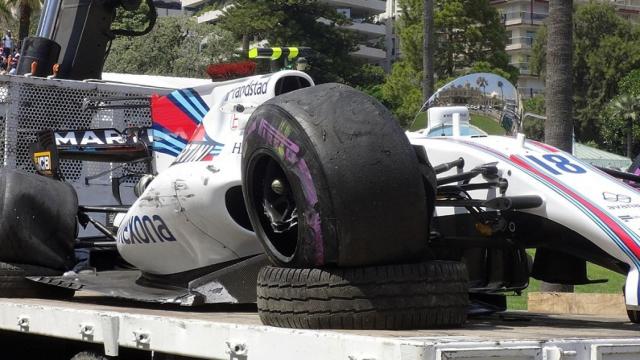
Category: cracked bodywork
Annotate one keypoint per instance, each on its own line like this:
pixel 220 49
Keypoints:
pixel 191 192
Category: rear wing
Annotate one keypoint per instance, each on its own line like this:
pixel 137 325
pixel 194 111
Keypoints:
pixel 100 145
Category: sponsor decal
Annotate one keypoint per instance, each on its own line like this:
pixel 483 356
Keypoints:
pixel 252 89
pixel 42 160
pixel 278 140
pixel 236 148
pixel 627 218
pixel 623 206
pixel 90 137
pixel 144 230
pixel 195 152
pixel 611 197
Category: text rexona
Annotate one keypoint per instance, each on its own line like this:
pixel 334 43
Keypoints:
pixel 144 230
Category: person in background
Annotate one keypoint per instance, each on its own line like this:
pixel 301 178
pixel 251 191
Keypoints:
pixel 13 63
pixel 7 43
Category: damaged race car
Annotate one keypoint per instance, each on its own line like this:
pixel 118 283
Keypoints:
pixel 316 194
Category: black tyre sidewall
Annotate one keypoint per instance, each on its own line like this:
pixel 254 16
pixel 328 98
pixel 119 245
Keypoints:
pixel 369 204
pixel 303 172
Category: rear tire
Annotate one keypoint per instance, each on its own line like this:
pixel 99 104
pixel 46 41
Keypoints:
pixel 329 178
pixel 634 316
pixel 14 284
pixel 409 296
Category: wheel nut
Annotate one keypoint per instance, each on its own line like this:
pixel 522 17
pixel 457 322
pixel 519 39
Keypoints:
pixel 278 187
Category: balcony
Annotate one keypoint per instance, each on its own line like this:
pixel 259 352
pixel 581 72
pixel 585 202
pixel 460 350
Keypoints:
pixel 627 8
pixel 523 17
pixel 371 7
pixel 191 3
pixel 209 16
pixel 370 53
pixel 519 42
pixel 523 67
pixel 370 30
pixel 529 92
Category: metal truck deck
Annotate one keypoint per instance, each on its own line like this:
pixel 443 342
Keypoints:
pixel 235 332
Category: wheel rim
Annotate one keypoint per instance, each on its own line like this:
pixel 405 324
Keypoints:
pixel 276 208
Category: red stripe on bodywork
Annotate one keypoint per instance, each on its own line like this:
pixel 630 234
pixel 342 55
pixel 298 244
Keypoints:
pixel 199 134
pixel 544 146
pixel 168 115
pixel 617 229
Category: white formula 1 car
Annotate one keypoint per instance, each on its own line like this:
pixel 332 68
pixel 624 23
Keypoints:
pixel 323 181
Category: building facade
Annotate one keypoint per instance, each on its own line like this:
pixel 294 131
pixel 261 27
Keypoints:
pixel 522 18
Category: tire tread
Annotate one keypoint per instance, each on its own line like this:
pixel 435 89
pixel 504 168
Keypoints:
pixel 407 296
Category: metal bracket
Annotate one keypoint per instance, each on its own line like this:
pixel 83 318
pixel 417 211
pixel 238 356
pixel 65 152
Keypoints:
pixel 110 333
pixel 86 331
pixel 556 353
pixel 237 350
pixel 142 338
pixel 23 322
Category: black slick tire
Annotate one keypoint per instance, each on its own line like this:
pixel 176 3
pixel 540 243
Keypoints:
pixel 329 178
pixel 634 316
pixel 14 284
pixel 408 296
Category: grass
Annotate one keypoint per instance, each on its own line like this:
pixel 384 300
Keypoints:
pixel 489 125
pixel 420 123
pixel 594 272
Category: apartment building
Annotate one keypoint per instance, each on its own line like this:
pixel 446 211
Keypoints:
pixel 168 7
pixel 366 21
pixel 522 19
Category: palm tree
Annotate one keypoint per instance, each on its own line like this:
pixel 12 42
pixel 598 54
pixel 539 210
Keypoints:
pixel 500 85
pixel 558 128
pixel 627 108
pixel 25 8
pixel 559 90
pixel 427 63
pixel 482 82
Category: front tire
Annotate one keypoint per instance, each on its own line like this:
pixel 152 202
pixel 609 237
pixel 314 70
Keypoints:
pixel 329 178
pixel 409 296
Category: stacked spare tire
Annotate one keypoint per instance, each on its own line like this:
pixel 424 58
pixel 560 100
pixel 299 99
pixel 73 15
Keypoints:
pixel 342 204
pixel 37 232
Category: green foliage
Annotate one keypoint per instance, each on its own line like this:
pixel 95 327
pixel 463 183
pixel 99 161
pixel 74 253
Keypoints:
pixel 369 79
pixel 606 48
pixel 630 84
pixel 177 46
pixel 295 23
pixel 469 37
pixel 539 51
pixel 131 20
pixel 467 31
pixel 619 117
pixel 534 128
pixel 402 92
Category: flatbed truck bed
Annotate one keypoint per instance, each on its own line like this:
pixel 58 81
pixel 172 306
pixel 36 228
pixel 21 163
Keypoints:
pixel 235 332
